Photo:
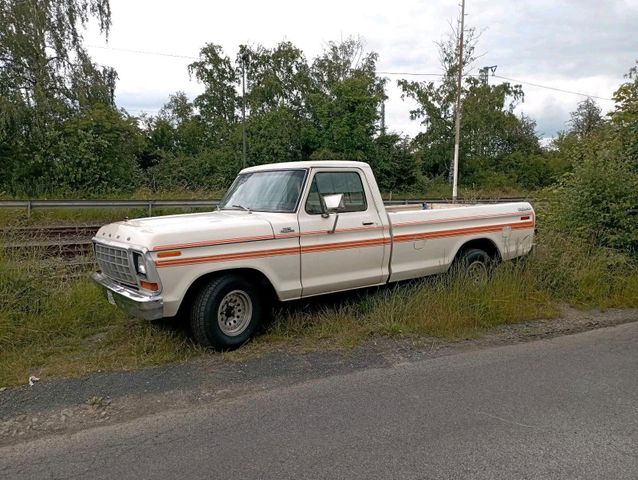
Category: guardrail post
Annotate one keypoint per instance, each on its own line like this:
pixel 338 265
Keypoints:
pixel 29 209
pixel 150 208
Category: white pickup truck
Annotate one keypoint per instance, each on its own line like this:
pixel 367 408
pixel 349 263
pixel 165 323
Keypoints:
pixel 288 231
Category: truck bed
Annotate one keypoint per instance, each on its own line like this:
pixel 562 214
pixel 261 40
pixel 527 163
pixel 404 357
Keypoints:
pixel 426 241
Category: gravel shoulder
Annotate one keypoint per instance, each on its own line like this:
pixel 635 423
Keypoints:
pixel 69 405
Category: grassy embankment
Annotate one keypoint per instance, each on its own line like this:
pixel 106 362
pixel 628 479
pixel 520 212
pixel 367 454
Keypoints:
pixel 51 326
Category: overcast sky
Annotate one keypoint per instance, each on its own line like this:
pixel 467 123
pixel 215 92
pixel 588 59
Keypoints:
pixel 585 46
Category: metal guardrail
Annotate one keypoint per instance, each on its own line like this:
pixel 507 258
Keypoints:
pixel 31 205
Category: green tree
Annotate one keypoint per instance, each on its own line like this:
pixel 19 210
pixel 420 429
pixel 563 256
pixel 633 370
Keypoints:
pixel 96 152
pixel 219 104
pixel 435 103
pixel 394 164
pixel 46 77
pixel 490 130
pixel 597 202
pixel 624 118
pixel 218 112
pixel 276 98
pixel 344 101
pixel 586 118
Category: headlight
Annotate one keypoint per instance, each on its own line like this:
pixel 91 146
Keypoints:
pixel 140 265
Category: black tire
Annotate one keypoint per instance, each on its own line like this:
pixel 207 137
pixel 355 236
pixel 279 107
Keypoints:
pixel 211 324
pixel 475 263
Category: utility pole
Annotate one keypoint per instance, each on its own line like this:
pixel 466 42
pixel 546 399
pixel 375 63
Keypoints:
pixel 382 118
pixel 457 120
pixel 243 110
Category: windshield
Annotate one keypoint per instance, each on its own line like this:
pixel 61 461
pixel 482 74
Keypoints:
pixel 267 191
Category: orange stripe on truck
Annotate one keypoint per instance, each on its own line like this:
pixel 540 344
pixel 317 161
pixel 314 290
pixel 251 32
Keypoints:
pixel 374 242
pixel 461 231
pixel 227 257
pixel 211 243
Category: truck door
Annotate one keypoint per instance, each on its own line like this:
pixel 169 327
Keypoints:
pixel 353 255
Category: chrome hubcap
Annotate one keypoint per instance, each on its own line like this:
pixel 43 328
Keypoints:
pixel 234 313
pixel 477 272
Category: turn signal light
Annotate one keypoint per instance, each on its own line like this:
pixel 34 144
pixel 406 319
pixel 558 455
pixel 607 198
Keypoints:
pixel 153 287
pixel 174 253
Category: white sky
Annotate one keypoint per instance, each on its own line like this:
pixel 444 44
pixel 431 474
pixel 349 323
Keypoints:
pixel 585 46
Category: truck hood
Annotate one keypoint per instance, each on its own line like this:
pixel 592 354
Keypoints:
pixel 188 230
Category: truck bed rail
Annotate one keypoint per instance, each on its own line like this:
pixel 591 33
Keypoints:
pixel 149 205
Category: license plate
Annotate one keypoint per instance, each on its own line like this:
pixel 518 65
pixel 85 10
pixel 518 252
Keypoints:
pixel 109 297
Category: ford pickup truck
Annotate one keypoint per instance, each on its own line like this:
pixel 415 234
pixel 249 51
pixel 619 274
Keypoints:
pixel 293 230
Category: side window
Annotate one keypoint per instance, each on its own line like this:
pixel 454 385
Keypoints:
pixel 328 183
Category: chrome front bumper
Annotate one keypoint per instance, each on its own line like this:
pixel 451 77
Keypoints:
pixel 147 307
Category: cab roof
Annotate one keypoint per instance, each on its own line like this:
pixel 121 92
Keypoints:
pixel 307 164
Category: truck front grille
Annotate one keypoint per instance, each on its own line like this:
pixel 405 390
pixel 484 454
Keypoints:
pixel 115 263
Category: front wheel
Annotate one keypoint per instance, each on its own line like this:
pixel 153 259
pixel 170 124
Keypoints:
pixel 226 312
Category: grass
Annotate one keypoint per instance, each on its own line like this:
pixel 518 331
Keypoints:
pixel 448 307
pixel 10 217
pixel 56 327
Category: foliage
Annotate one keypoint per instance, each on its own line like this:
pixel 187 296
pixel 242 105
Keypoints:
pixel 489 128
pixel 52 327
pixel 598 201
pixel 295 110
pixel 435 106
pixel 586 118
pixel 624 118
pixel 60 132
pixel 97 152
pixel 48 82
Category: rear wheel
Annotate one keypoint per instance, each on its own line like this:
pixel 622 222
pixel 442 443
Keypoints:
pixel 475 265
pixel 226 312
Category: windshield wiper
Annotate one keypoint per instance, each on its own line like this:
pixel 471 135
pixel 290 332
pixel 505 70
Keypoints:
pixel 242 207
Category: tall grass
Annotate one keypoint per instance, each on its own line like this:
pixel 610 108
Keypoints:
pixel 453 307
pixel 450 306
pixel 54 326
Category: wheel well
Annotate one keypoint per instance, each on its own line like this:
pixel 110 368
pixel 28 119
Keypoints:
pixel 485 244
pixel 254 275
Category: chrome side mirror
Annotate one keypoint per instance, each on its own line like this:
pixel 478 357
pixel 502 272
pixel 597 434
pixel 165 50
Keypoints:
pixel 332 203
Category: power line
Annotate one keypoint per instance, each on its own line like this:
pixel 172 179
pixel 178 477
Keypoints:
pixel 415 74
pixel 552 88
pixel 143 52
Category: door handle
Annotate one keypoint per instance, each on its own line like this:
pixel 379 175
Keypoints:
pixel 368 223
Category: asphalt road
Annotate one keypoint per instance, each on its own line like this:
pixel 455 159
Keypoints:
pixel 560 408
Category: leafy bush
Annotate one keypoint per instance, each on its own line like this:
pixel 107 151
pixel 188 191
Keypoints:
pixel 208 170
pixel 598 202
pixel 97 152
